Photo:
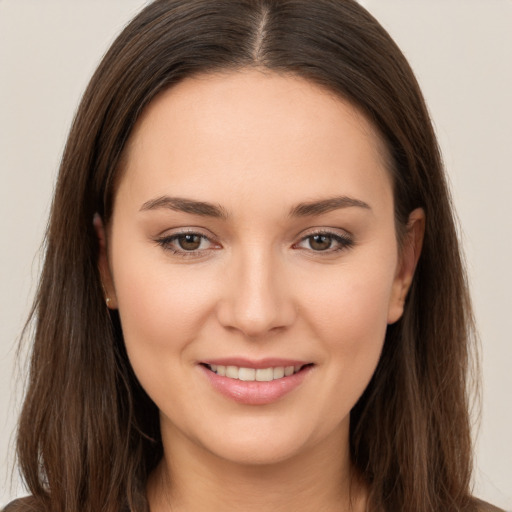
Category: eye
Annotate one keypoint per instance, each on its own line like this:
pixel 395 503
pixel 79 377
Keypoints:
pixel 320 242
pixel 189 242
pixel 186 244
pixel 325 242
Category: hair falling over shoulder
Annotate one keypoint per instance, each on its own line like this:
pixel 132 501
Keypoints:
pixel 89 435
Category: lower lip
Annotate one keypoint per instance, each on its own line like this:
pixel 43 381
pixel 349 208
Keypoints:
pixel 255 392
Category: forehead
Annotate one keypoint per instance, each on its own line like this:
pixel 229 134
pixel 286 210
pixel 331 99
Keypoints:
pixel 248 131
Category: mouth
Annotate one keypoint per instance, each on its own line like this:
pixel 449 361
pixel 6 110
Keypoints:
pixel 256 386
pixel 245 374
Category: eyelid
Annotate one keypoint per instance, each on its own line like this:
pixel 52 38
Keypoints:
pixel 185 230
pixel 344 239
pixel 166 240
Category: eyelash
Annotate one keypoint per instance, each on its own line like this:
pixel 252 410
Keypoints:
pixel 167 241
pixel 343 242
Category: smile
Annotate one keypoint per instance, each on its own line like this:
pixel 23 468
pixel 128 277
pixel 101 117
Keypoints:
pixel 253 374
pixel 268 383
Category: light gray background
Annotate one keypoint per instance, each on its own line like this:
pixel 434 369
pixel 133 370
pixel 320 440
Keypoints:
pixel 461 51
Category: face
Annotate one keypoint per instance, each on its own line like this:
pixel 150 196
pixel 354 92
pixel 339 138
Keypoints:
pixel 253 258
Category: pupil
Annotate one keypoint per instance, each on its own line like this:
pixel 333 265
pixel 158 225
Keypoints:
pixel 320 242
pixel 189 242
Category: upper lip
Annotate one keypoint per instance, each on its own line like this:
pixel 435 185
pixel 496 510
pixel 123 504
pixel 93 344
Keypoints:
pixel 242 362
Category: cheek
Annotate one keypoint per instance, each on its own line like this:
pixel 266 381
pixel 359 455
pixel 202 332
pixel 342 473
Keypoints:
pixel 354 329
pixel 353 302
pixel 161 307
pixel 350 317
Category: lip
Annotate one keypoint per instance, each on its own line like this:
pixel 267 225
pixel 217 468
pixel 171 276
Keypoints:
pixel 256 364
pixel 254 392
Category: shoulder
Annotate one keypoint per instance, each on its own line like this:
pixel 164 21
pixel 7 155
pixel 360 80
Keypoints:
pixel 27 504
pixel 487 507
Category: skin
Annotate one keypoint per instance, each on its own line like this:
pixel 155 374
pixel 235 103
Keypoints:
pixel 255 144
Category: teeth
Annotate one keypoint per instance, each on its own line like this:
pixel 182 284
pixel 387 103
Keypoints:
pixel 232 372
pixel 251 375
pixel 279 372
pixel 247 374
pixel 264 374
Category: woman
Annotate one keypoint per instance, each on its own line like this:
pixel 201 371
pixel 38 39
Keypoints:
pixel 252 294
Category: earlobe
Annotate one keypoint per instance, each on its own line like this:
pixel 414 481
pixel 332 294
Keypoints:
pixel 409 256
pixel 103 264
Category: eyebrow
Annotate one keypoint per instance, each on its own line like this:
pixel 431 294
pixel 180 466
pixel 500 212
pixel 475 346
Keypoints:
pixel 181 204
pixel 307 209
pixel 326 205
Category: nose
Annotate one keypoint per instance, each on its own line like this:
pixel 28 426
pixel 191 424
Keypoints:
pixel 258 297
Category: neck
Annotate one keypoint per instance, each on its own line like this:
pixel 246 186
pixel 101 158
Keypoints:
pixel 194 480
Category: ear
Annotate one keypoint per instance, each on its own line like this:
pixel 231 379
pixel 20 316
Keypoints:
pixel 103 264
pixel 408 259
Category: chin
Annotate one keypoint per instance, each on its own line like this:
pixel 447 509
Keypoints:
pixel 257 453
pixel 264 444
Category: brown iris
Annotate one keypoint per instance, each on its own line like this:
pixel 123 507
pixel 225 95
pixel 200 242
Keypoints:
pixel 189 242
pixel 320 242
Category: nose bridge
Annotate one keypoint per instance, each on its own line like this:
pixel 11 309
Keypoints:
pixel 258 298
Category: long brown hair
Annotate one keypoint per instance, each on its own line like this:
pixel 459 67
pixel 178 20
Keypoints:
pixel 88 433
